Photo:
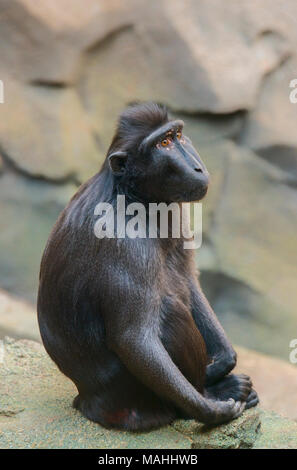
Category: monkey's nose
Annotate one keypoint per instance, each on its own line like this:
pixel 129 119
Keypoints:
pixel 200 169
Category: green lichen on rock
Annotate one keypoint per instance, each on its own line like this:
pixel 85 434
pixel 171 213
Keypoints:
pixel 36 412
pixel 241 433
pixel 277 432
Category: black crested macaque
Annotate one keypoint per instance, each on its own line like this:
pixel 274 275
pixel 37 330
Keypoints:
pixel 125 319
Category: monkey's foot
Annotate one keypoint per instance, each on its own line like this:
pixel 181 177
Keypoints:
pixel 252 399
pixel 238 387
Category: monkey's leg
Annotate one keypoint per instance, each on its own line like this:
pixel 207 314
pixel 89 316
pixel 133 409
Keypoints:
pixel 133 336
pixel 219 349
pixel 219 384
pixel 233 386
pixel 238 387
pixel 151 363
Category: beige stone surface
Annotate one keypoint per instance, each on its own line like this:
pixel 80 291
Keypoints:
pixel 275 381
pixel 17 318
pixel 36 412
pixel 45 132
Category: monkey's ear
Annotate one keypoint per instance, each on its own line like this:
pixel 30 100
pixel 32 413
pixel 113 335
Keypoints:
pixel 117 162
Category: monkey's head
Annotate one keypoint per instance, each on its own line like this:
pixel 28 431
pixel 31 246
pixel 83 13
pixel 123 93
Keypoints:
pixel 151 157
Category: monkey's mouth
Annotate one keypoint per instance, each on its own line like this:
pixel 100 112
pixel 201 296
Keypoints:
pixel 197 194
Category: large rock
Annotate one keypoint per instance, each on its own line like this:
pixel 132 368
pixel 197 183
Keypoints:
pixel 91 48
pixel 274 139
pixel 36 412
pixel 17 318
pixel 44 41
pixel 28 209
pixel 277 433
pixel 248 259
pixel 46 133
pixel 184 56
pixel 275 381
pixel 201 72
pixel 225 67
pixel 44 129
pixel 256 429
pixel 242 433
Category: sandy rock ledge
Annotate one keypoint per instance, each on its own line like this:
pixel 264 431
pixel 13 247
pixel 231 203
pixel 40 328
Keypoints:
pixel 36 412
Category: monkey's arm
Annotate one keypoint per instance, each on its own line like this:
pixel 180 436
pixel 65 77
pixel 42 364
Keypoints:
pixel 218 346
pixel 140 349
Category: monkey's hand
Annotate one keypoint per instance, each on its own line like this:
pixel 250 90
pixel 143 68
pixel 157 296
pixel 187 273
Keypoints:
pixel 220 366
pixel 219 412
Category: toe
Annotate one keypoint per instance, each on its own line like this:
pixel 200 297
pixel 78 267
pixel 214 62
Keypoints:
pixel 252 399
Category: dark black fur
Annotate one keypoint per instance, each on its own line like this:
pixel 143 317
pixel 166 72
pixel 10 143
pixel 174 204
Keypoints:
pixel 125 319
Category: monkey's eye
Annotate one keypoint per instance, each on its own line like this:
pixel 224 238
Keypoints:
pixel 165 142
pixel 179 135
